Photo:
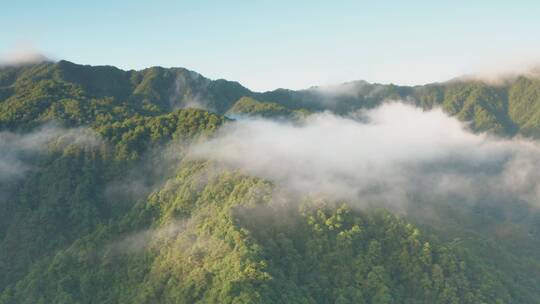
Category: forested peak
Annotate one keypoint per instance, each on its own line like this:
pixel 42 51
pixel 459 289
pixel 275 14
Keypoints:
pixel 172 70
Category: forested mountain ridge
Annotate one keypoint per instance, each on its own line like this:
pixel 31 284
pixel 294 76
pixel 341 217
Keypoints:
pixel 80 94
pixel 101 201
pixel 507 108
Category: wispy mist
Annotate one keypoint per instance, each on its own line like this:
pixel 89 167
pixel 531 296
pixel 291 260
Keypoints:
pixel 155 168
pixel 182 97
pixel 505 70
pixel 141 240
pixel 18 150
pixel 23 53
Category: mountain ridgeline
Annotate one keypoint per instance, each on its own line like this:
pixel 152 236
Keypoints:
pixel 80 94
pixel 101 201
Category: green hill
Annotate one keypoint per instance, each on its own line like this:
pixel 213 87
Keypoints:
pixel 248 106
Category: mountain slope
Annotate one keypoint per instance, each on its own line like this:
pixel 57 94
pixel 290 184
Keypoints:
pixel 224 242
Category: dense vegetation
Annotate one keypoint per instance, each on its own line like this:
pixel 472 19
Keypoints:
pixel 248 106
pixel 127 216
pixel 86 95
pixel 222 241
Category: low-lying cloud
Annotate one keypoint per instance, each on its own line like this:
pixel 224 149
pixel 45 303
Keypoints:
pixel 386 155
pixel 18 151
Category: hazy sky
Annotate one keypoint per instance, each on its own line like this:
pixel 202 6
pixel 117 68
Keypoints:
pixel 292 44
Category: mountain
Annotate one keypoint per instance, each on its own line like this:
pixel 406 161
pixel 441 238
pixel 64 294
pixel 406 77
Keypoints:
pixel 505 109
pixel 248 106
pixel 102 201
pixel 78 94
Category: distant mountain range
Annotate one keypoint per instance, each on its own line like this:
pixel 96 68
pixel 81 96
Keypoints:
pixel 506 107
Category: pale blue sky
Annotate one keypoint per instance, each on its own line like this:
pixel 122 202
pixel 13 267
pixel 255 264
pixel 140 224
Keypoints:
pixel 292 44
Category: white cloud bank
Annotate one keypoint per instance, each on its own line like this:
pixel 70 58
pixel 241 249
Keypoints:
pixel 385 155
